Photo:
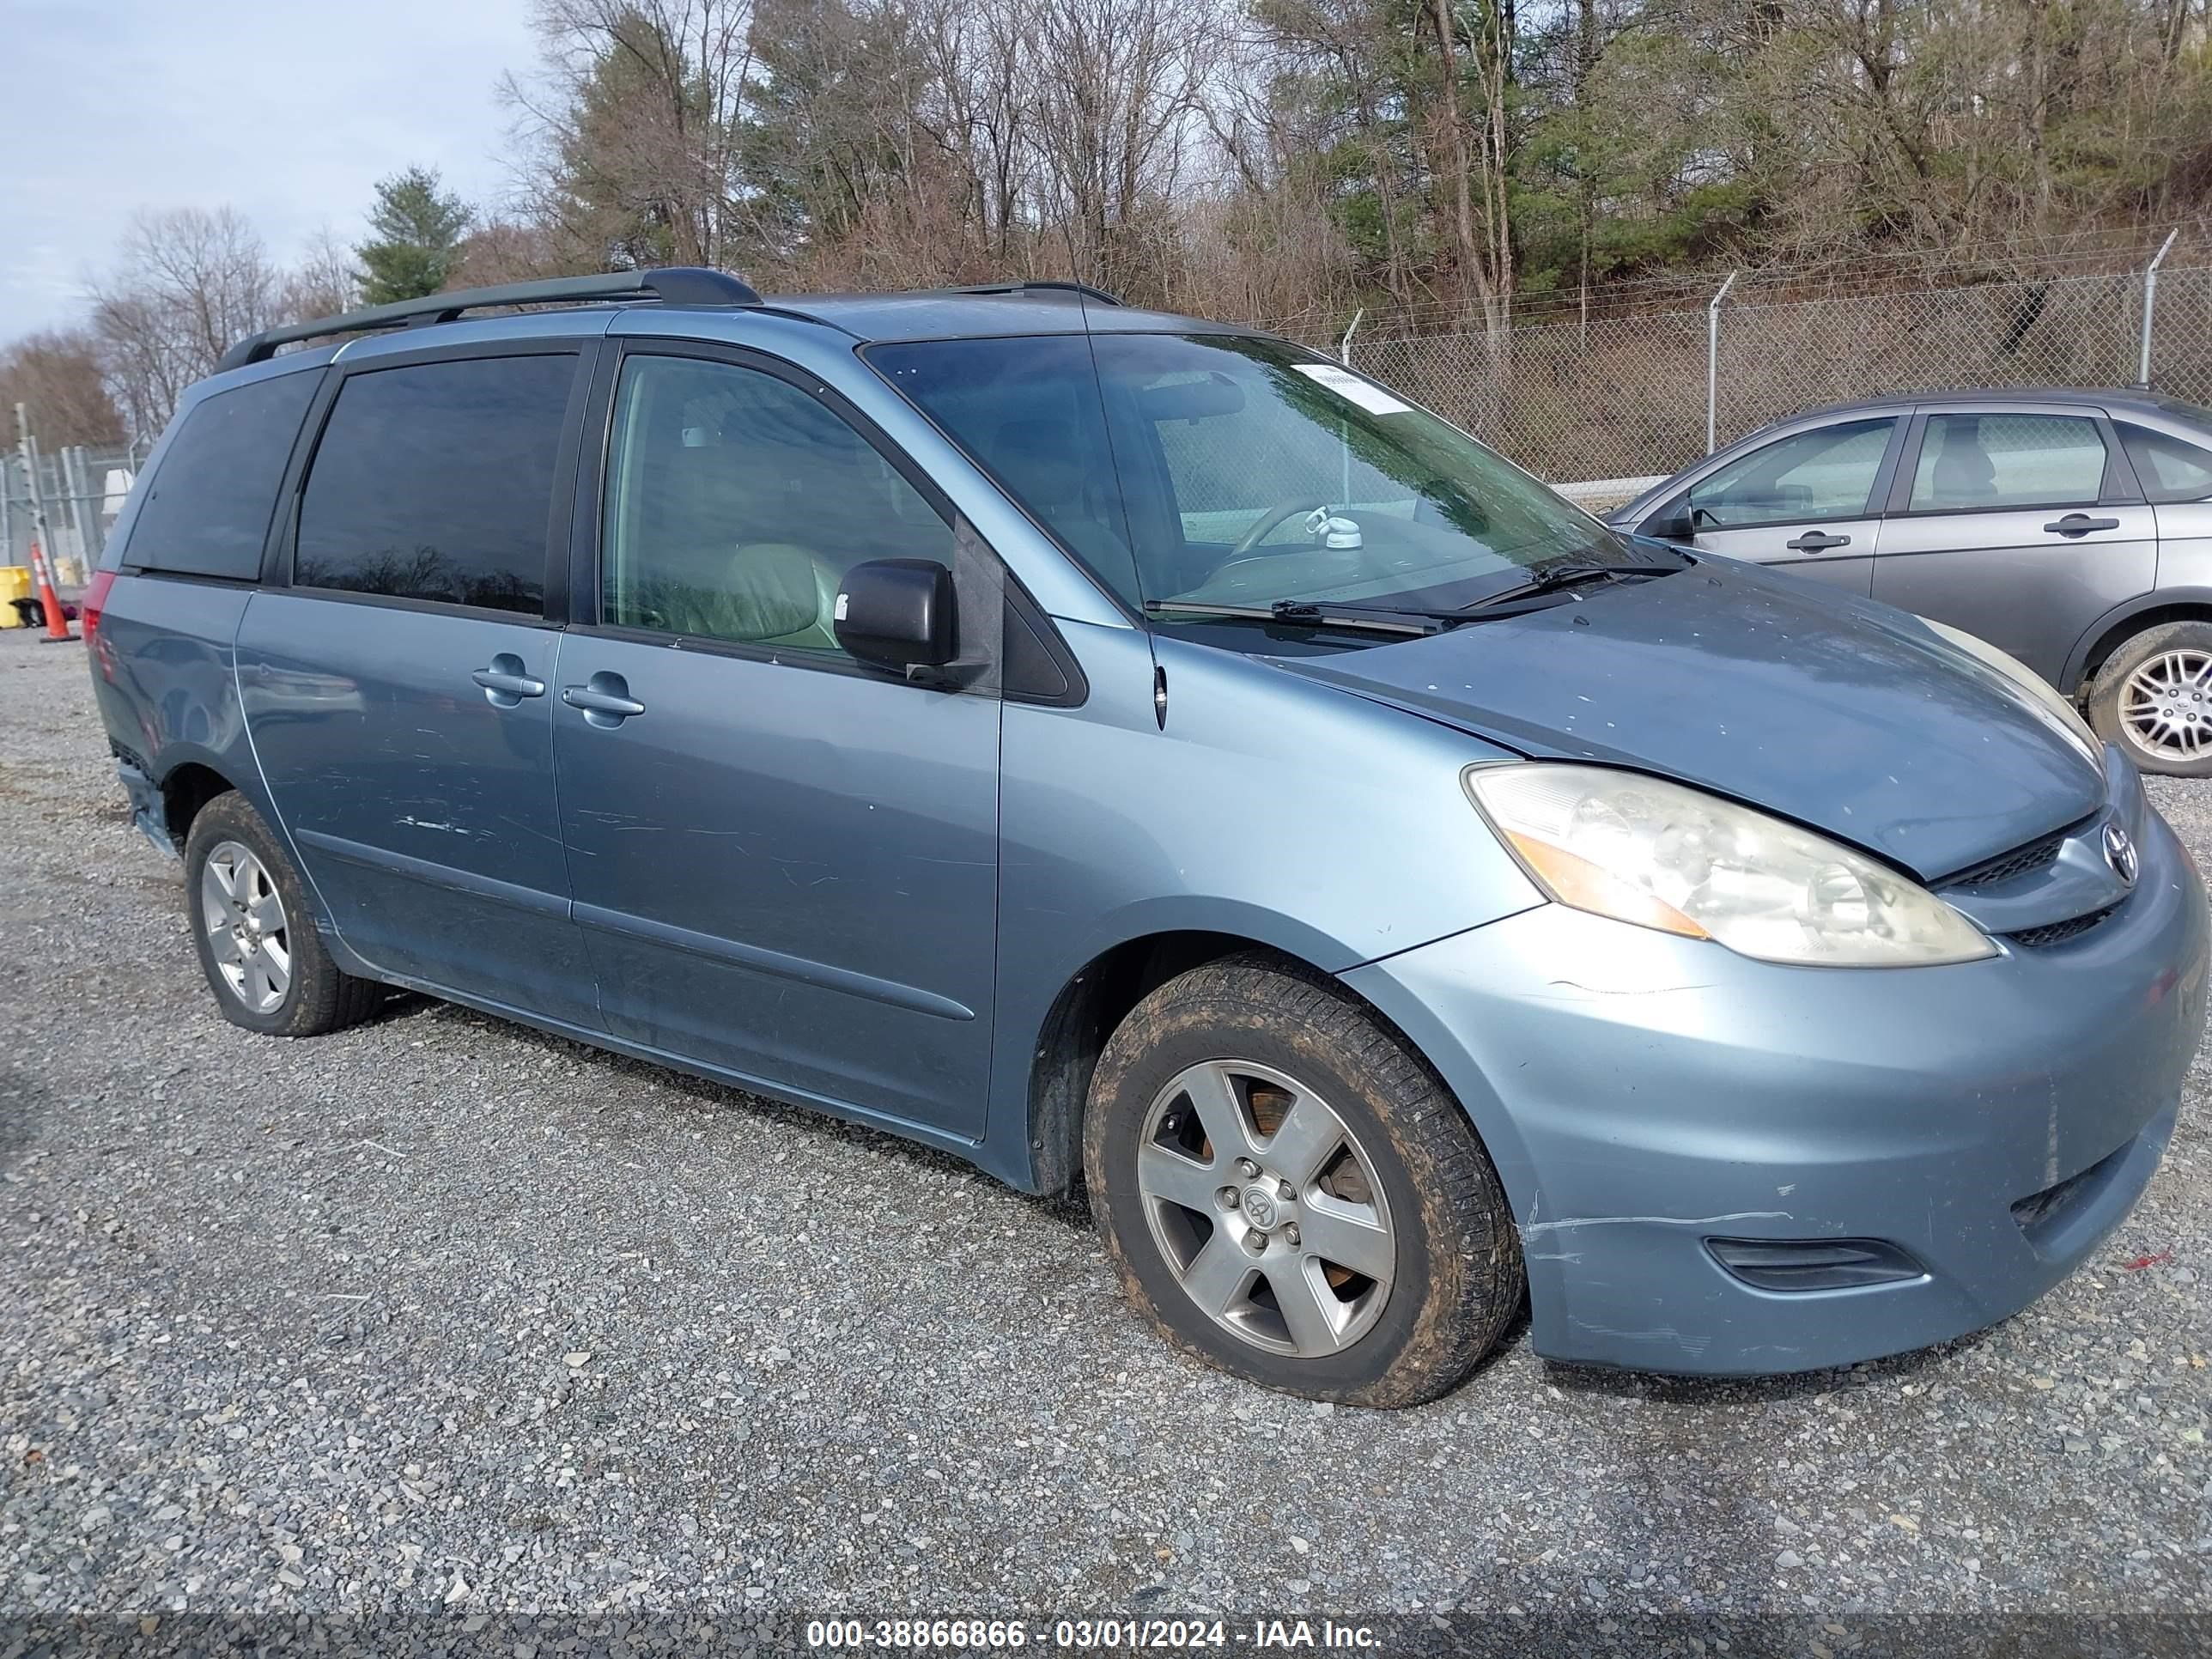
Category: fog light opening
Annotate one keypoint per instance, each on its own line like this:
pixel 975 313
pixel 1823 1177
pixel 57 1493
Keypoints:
pixel 1813 1264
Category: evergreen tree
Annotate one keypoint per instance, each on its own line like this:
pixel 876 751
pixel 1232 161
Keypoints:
pixel 416 238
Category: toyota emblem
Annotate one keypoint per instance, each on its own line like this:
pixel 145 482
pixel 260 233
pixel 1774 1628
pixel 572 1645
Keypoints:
pixel 2120 853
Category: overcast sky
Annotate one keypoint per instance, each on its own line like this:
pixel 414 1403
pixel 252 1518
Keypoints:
pixel 288 112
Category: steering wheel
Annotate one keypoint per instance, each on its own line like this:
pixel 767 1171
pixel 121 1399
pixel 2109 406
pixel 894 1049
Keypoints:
pixel 1268 520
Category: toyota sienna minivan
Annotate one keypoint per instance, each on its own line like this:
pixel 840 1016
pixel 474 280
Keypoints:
pixel 1118 748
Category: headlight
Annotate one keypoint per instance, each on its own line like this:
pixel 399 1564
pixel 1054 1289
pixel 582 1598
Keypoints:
pixel 1660 855
pixel 2063 713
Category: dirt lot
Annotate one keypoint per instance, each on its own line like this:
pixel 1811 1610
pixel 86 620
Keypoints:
pixel 443 1317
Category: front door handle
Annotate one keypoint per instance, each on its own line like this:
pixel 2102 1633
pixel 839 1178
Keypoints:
pixel 606 699
pixel 2080 523
pixel 505 684
pixel 1816 541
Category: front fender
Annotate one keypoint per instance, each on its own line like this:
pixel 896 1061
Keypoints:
pixel 1268 808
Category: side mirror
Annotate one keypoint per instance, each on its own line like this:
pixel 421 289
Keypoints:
pixel 897 613
pixel 1671 522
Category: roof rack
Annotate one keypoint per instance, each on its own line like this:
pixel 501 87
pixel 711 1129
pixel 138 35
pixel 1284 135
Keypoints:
pixel 1044 288
pixel 675 285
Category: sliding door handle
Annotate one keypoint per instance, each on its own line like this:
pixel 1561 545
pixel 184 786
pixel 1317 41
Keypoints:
pixel 505 684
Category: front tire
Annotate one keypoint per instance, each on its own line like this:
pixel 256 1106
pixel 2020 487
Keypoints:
pixel 2154 698
pixel 1287 1190
pixel 255 930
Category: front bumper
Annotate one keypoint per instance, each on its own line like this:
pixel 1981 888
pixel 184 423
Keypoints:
pixel 1643 1094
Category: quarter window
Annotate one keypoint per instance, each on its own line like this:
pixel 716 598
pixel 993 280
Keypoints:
pixel 735 503
pixel 435 482
pixel 2168 470
pixel 1826 473
pixel 207 514
pixel 1997 461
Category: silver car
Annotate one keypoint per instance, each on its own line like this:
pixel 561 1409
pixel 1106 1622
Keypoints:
pixel 2070 529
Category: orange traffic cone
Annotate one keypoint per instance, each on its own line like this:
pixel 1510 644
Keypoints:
pixel 42 568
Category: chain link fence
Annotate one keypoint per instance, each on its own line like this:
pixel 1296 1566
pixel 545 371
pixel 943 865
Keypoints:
pixel 80 488
pixel 1622 399
pixel 1598 405
pixel 1617 397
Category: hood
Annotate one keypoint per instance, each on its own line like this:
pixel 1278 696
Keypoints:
pixel 1846 715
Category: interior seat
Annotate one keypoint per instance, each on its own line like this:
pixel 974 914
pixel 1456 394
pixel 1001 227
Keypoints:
pixel 718 543
pixel 1965 475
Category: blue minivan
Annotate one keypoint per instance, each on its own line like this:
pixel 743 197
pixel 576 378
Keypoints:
pixel 1121 749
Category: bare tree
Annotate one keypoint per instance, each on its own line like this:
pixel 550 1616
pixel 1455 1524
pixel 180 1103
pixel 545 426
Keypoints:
pixel 1116 87
pixel 324 282
pixel 55 374
pixel 186 285
pixel 631 126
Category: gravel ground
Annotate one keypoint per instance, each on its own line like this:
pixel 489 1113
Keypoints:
pixel 443 1318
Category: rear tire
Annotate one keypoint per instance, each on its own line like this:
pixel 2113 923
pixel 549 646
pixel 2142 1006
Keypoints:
pixel 2147 691
pixel 1369 1256
pixel 255 930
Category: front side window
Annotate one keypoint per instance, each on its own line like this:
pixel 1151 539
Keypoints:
pixel 434 482
pixel 735 503
pixel 207 511
pixel 1826 473
pixel 1223 468
pixel 1999 461
pixel 2168 470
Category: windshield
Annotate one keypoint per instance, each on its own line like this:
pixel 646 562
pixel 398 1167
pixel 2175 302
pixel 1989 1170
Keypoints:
pixel 1191 468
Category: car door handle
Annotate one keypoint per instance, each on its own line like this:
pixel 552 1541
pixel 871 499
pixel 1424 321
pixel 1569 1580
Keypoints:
pixel 2080 523
pixel 515 685
pixel 505 684
pixel 604 701
pixel 1817 540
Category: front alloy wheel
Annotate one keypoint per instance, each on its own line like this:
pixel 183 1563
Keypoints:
pixel 1265 1208
pixel 1289 1191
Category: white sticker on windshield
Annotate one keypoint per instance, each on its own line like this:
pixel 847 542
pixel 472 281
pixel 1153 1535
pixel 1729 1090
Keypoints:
pixel 1345 384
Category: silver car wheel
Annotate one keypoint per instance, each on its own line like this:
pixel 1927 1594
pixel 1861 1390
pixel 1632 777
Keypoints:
pixel 1266 1209
pixel 2166 705
pixel 246 930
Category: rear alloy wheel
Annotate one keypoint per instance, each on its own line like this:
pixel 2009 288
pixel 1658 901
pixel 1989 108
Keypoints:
pixel 1286 1190
pixel 2154 698
pixel 249 935
pixel 256 933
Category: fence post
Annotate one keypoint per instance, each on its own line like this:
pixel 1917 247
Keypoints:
pixel 1713 364
pixel 1343 347
pixel 2150 303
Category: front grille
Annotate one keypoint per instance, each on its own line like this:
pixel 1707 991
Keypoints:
pixel 2057 932
pixel 2010 866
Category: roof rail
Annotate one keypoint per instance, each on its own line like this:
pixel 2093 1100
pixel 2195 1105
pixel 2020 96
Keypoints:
pixel 1050 289
pixel 675 285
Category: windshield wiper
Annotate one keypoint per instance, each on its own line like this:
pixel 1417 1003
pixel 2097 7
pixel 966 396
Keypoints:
pixel 1566 573
pixel 1305 613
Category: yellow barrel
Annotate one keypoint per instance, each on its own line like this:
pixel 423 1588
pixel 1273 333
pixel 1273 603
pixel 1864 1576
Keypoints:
pixel 15 584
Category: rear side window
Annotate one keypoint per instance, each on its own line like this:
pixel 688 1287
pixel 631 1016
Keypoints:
pixel 2168 470
pixel 435 482
pixel 1997 461
pixel 207 511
